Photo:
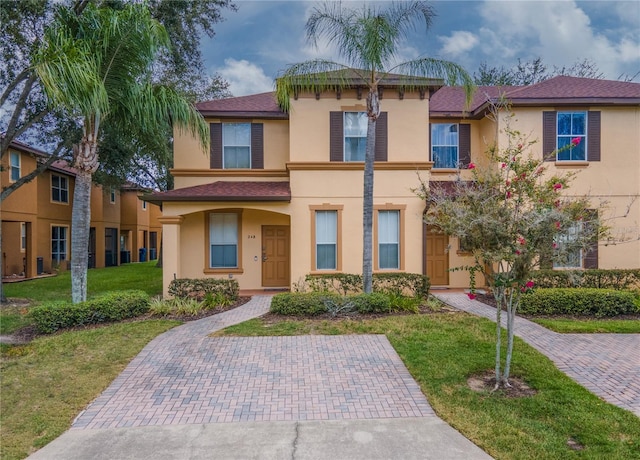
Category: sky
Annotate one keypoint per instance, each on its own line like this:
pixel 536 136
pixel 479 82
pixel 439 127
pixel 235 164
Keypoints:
pixel 255 43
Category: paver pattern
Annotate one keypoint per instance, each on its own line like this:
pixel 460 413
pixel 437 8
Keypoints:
pixel 185 377
pixel 608 365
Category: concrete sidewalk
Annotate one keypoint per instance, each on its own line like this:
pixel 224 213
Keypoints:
pixel 190 396
pixel 608 365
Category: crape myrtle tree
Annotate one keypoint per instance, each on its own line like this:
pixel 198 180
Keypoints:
pixel 368 39
pixel 512 216
pixel 98 67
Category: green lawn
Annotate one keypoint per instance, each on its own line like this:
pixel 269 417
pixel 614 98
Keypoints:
pixel 443 350
pixel 590 326
pixel 46 383
pixel 143 276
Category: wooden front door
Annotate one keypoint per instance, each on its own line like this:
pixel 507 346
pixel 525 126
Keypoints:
pixel 437 258
pixel 275 256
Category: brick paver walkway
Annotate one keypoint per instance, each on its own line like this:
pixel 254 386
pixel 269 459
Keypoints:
pixel 185 377
pixel 606 364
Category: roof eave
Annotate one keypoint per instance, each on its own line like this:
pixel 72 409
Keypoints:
pixel 241 114
pixel 158 200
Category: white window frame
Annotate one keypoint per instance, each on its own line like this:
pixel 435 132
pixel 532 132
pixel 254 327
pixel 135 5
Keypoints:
pixel 144 205
pixel 434 145
pixel 386 238
pixel 59 239
pixel 23 236
pixel 361 134
pixel 60 188
pixel 112 195
pixel 224 237
pixel 326 234
pixel 226 142
pixel 582 146
pixel 15 167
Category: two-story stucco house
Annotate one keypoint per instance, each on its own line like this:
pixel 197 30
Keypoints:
pixel 279 195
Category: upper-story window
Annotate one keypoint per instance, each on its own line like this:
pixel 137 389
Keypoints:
pixel 576 133
pixel 355 136
pixel 112 195
pixel 59 189
pixel 444 145
pixel 572 131
pixel 144 205
pixel 236 141
pixel 14 159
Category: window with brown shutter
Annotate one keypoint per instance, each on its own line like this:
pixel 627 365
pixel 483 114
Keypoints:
pixel 464 145
pixel 549 136
pixel 573 127
pixel 255 144
pixel 337 137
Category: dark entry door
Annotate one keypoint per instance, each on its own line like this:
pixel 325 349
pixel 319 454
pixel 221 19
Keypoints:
pixel 110 247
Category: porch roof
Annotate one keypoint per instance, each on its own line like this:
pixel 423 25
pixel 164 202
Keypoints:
pixel 226 191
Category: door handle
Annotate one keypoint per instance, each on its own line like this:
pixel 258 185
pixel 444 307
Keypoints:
pixel 264 258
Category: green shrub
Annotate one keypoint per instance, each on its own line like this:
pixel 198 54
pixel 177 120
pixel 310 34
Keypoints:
pixel 160 307
pixel 375 302
pixel 199 288
pixel 582 302
pixel 301 303
pixel 595 278
pixel 110 306
pixel 187 307
pixel 406 284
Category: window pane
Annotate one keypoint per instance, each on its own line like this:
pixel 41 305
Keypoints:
pixel 223 237
pixel 578 125
pixel 64 196
pixel 444 145
pixel 326 256
pixel 564 123
pixel 224 256
pixel 388 256
pixel 445 157
pixel 355 148
pixel 234 134
pixel 326 226
pixel 237 157
pixel 355 124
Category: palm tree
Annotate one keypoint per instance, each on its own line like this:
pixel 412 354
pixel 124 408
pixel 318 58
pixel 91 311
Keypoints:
pixel 98 67
pixel 368 40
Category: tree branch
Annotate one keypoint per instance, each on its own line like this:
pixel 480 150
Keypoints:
pixel 9 135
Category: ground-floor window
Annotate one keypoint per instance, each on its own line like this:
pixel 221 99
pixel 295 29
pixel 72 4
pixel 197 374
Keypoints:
pixel 23 236
pixel 568 258
pixel 389 240
pixel 223 240
pixel 58 243
pixel 326 240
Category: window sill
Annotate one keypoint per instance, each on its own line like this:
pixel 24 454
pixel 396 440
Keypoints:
pixel 325 272
pixel 571 164
pixel 445 171
pixel 223 271
pixel 464 253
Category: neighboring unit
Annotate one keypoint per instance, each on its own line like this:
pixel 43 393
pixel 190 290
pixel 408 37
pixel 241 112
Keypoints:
pixel 36 219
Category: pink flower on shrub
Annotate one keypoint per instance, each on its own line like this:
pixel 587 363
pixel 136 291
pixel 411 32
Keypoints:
pixel 555 246
pixel 518 252
pixel 558 225
pixel 556 203
pixel 503 165
pixel 471 166
pixel 508 182
pixel 508 194
pixel 471 296
pixel 522 241
pixel 576 140
pixel 529 284
pixel 519 148
pixel 557 186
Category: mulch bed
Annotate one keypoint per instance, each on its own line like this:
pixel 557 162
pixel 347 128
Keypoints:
pixel 486 381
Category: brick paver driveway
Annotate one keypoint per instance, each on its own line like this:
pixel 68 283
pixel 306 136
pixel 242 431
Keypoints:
pixel 606 364
pixel 185 377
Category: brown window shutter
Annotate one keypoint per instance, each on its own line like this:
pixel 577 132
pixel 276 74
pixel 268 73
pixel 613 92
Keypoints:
pixel 593 137
pixel 549 140
pixel 336 136
pixel 257 146
pixel 382 139
pixel 215 160
pixel 591 254
pixel 464 145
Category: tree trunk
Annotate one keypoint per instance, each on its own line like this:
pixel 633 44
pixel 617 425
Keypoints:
pixel 373 111
pixel 86 163
pixel 514 300
pixel 499 296
pixel 159 262
pixel 3 299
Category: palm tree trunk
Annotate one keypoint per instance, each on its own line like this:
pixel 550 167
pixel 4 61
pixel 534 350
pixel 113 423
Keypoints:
pixel 373 110
pixel 86 163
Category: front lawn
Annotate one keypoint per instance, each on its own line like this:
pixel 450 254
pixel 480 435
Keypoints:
pixel 589 325
pixel 442 350
pixel 143 276
pixel 46 383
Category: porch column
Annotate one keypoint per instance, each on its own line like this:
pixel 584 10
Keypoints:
pixel 170 250
pixel 31 252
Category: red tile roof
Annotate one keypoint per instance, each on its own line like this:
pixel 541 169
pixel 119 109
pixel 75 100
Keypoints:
pixel 226 191
pixel 262 105
pixel 449 101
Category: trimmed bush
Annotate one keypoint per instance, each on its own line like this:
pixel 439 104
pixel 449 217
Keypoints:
pixel 199 288
pixel 595 278
pixel 406 284
pixel 111 306
pixel 582 302
pixel 375 302
pixel 301 303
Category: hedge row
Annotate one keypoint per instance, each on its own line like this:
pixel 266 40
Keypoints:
pixel 199 288
pixel 110 306
pixel 597 279
pixel 407 284
pixel 318 303
pixel 582 302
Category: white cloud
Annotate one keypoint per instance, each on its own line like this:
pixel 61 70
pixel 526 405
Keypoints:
pixel 459 42
pixel 244 77
pixel 560 32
